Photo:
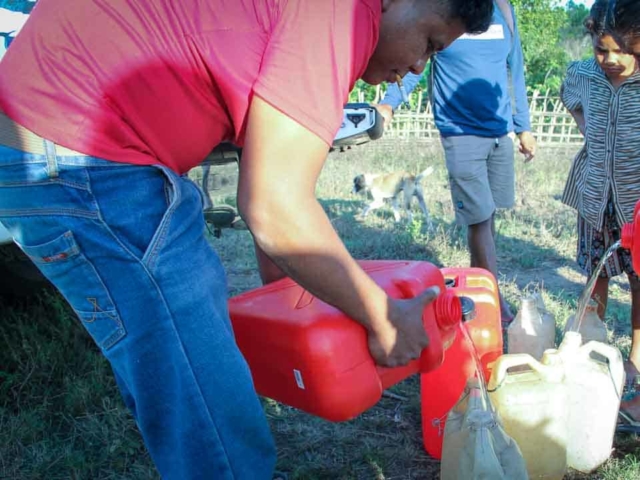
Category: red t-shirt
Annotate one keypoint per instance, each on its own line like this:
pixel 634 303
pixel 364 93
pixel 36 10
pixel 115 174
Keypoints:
pixel 162 81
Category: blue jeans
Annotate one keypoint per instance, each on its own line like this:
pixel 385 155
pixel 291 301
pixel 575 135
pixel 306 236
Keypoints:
pixel 125 245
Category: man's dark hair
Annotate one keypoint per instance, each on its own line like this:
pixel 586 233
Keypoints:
pixel 475 15
pixel 619 18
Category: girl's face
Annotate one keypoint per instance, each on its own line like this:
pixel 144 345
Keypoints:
pixel 616 64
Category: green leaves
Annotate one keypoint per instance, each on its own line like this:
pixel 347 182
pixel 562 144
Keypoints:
pixel 540 23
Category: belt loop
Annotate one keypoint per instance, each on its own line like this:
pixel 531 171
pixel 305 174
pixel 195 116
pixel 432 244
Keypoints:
pixel 52 160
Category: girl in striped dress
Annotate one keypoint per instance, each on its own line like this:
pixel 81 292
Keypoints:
pixel 623 19
pixel 603 95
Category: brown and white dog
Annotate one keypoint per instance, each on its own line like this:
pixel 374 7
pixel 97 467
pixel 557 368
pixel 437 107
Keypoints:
pixel 391 185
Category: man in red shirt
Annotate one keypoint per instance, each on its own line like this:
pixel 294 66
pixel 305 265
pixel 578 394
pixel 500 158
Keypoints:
pixel 107 103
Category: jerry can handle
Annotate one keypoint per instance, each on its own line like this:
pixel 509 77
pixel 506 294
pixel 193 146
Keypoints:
pixel 447 307
pixel 406 287
pixel 612 354
pixel 409 289
pixel 507 361
pixel 434 352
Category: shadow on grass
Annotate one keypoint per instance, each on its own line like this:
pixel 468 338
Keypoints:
pixel 377 237
pixel 524 265
pixel 61 416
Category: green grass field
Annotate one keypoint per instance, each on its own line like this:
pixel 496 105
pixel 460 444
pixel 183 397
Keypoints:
pixel 61 416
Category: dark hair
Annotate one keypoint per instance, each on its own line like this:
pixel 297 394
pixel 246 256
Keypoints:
pixel 596 23
pixel 620 18
pixel 475 15
pixel 625 19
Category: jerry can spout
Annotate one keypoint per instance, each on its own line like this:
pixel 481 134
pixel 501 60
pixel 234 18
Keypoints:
pixel 448 310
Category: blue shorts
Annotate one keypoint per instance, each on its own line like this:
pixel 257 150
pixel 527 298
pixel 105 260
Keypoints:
pixel 481 176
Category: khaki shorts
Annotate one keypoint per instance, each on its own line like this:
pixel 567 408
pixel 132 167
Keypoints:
pixel 481 176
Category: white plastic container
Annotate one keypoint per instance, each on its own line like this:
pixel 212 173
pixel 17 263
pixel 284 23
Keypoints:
pixel 547 316
pixel 530 332
pixel 476 446
pixel 592 328
pixel 595 388
pixel 532 405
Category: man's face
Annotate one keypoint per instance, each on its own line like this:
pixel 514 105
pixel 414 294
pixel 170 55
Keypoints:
pixel 410 32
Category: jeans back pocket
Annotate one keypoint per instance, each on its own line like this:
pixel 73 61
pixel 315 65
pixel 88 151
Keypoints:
pixel 63 263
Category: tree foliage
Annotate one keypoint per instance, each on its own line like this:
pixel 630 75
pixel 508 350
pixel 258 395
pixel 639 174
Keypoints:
pixel 540 23
pixel 574 39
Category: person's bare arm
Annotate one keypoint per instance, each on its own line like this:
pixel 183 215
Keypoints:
pixel 281 162
pixel 387 113
pixel 528 145
pixel 578 116
pixel 570 93
pixel 269 271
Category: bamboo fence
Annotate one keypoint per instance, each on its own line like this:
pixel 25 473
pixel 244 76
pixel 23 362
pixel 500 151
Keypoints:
pixel 551 123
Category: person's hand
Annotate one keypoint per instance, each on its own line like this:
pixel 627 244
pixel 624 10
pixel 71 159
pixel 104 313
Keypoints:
pixel 527 145
pixel 401 338
pixel 386 111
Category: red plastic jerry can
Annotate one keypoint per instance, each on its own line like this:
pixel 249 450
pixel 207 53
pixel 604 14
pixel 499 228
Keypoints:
pixel 630 238
pixel 442 388
pixel 307 354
